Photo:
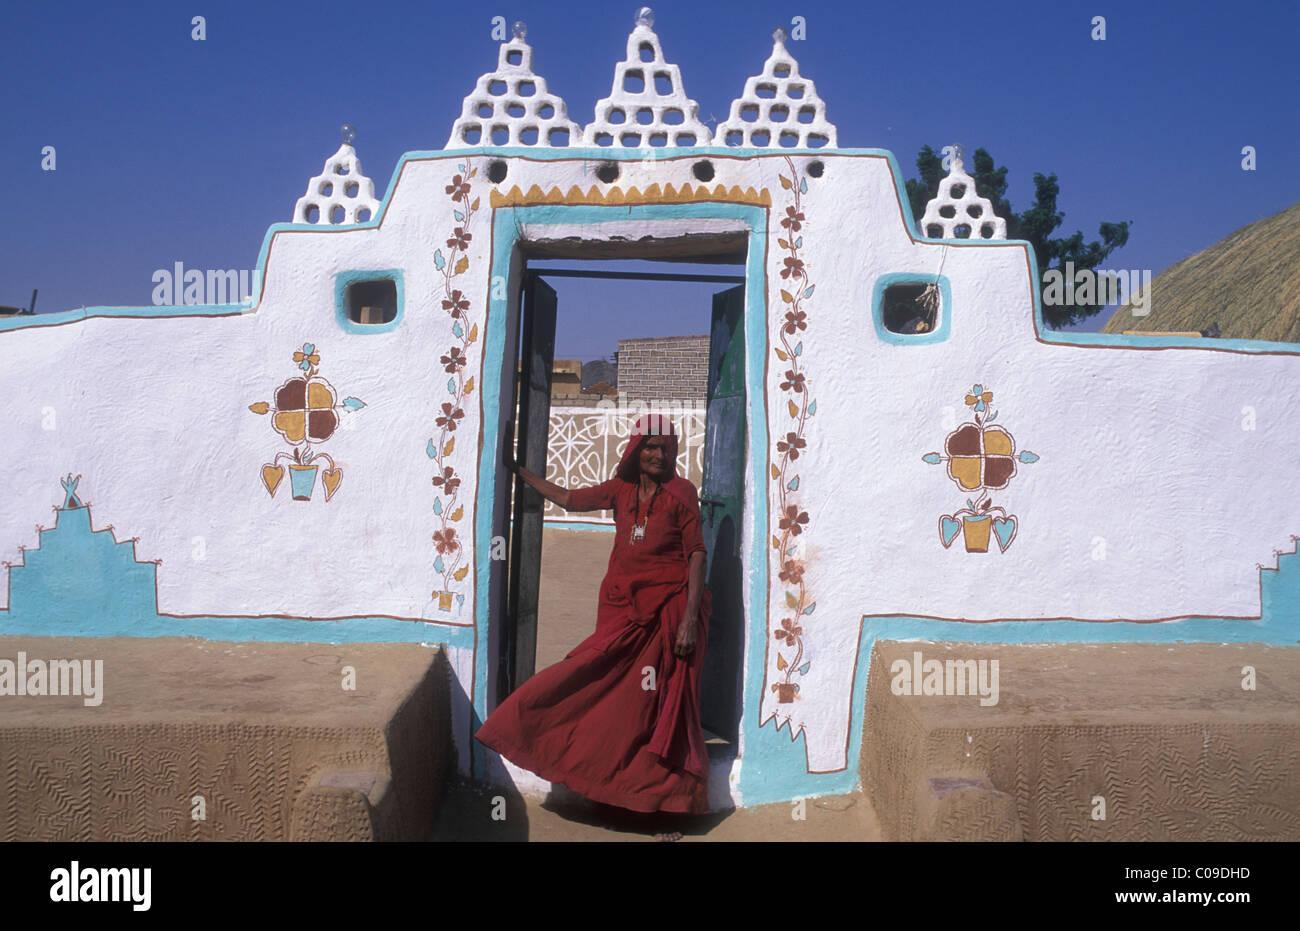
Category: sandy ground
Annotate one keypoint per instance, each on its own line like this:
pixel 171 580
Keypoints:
pixel 467 815
pixel 573 563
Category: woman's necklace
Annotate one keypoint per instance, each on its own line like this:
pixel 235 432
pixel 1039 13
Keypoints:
pixel 638 525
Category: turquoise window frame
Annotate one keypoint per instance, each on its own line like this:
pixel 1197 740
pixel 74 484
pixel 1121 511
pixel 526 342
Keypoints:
pixel 944 313
pixel 341 282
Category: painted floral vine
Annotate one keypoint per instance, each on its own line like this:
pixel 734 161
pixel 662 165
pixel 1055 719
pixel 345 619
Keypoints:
pixel 450 563
pixel 796 289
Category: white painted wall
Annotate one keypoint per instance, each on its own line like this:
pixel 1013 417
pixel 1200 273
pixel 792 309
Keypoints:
pixel 1143 448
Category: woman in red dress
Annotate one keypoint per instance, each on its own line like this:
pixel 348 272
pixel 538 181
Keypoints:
pixel 618 719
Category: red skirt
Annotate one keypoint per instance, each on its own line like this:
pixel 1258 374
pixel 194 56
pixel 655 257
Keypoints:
pixel 618 719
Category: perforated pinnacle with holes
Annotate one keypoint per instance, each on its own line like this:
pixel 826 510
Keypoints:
pixel 647 105
pixel 339 193
pixel 512 106
pixel 778 109
pixel 948 212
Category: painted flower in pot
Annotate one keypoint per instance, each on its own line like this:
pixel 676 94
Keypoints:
pixel 306 412
pixel 979 459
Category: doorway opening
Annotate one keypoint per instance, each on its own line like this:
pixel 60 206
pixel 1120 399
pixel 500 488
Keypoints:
pixel 556 561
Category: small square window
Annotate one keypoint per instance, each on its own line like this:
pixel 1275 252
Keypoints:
pixel 372 302
pixel 910 308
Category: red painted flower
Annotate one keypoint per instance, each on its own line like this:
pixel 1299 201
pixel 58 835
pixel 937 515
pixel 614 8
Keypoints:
pixel 792 442
pixel 454 360
pixel 792 572
pixel 792 266
pixel 458 189
pixel 449 415
pixel 446 541
pixel 456 305
pixel 794 320
pixel 793 518
pixel 447 478
pixel 789 631
pixel 792 219
pixel 459 239
pixel 793 381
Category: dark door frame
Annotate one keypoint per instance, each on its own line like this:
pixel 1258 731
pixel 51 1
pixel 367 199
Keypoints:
pixel 517 655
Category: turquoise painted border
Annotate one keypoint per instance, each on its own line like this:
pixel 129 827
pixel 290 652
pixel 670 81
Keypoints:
pixel 783 767
pixel 82 582
pixel 341 282
pixel 506 225
pixel 938 334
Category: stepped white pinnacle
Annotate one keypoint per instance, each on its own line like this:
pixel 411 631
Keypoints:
pixel 513 100
pixel 340 185
pixel 787 114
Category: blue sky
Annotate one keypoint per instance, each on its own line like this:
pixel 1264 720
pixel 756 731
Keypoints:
pixel 174 150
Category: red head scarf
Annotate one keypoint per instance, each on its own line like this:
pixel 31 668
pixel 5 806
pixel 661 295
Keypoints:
pixel 629 467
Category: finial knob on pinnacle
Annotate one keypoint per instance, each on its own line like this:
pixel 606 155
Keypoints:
pixel 349 133
pixel 520 29
pixel 645 16
pixel 780 35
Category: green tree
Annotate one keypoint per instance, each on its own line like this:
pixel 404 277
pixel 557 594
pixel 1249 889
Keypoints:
pixel 1035 225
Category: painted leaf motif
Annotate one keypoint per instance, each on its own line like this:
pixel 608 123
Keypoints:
pixel 353 404
pixel 437 564
pixel 798 243
pixel 458 513
pixel 776 544
pixel 469 386
pixel 791 600
pixel 794 409
pixel 461 265
pixel 803 670
pixel 798 348
pixel 458 215
pixel 780 662
pixel 776 473
pixel 261 407
pixel 807 292
pixel 459 574
pixel 787 296
pixel 809 609
pixel 438 261
pixel 474 206
pixel 932 458
pixel 785 182
pixel 473 333
pixel 431 450
pixel 803 185
pixel 782 355
pixel 451 386
pixel 783 244
pixel 449 446
pixel 812 408
pixel 460 168
pixel 455 328
pixel 793 484
pixel 437 506
pixel 472 173
pixel 1027 456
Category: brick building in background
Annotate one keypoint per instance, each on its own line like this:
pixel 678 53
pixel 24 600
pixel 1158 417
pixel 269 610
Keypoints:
pixel 661 368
